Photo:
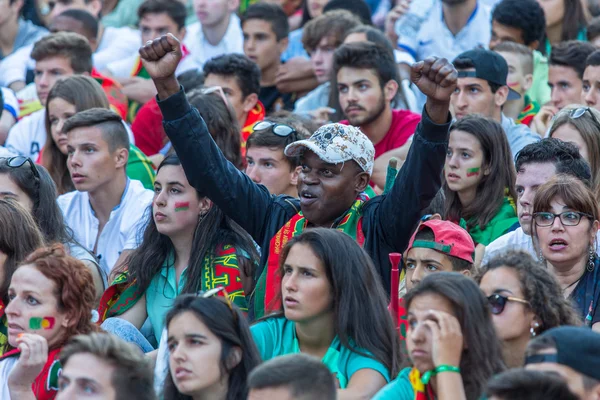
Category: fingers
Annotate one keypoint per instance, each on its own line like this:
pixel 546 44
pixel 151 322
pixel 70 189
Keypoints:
pixel 441 71
pixel 155 49
pixel 34 349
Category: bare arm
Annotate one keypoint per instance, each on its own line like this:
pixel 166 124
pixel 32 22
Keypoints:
pixel 137 314
pixel 6 122
pixel 364 384
pixel 296 76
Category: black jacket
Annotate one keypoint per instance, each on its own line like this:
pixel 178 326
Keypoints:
pixel 388 220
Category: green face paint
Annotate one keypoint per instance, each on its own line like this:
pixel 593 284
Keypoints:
pixel 473 171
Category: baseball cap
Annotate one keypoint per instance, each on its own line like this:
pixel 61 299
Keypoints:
pixel 489 66
pixel 449 239
pixel 336 143
pixel 576 347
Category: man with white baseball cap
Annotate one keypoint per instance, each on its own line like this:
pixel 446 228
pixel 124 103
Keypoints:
pixel 336 165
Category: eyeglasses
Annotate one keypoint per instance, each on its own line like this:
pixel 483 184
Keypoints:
pixel 218 90
pixel 17 162
pixel 578 112
pixel 567 218
pixel 497 302
pixel 281 130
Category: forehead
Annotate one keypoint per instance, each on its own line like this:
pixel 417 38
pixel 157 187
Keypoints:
pixel 557 73
pixel 358 37
pixel 63 23
pixel 421 253
pixel 425 302
pixel 349 75
pixel 463 140
pixel 54 62
pixel 29 277
pixel 592 73
pixel 87 134
pixel 501 278
pixel 187 323
pixel 535 174
pixel 469 81
pixel 258 152
pixel 60 104
pixel 507 32
pixel 258 26
pixel 512 59
pixel 156 19
pixel 81 365
pixel 229 82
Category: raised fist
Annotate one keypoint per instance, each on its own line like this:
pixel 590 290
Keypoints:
pixel 435 77
pixel 161 57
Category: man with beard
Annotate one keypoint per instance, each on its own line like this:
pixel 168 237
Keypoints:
pixel 367 82
pixel 337 162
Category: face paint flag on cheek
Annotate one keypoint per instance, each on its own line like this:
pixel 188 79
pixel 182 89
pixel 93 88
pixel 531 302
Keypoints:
pixel 41 323
pixel 182 206
pixel 473 171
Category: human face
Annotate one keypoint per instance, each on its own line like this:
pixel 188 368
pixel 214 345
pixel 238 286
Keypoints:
pixel 573 378
pixel 9 12
pixel 279 392
pixel 565 86
pixel 516 320
pixel 59 110
pixel 77 381
pixel 503 33
pixel 529 178
pixel 260 43
pixel 517 79
pixel 212 13
pixel 305 290
pixel 91 163
pixel 57 7
pixel 564 246
pixel 474 96
pixel 47 72
pixel 32 295
pixel 176 207
pixel 194 357
pixel 315 7
pixel 554 10
pixel 568 133
pixel 327 190
pixel 591 86
pixel 421 262
pixel 233 92
pixel 321 59
pixel 9 189
pixel 361 95
pixel 154 25
pixel 271 168
pixel 419 338
pixel 464 166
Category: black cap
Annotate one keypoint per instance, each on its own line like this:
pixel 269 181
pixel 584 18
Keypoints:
pixel 489 66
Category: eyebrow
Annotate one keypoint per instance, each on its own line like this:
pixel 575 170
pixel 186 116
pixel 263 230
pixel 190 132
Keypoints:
pixel 499 290
pixel 305 267
pixel 473 85
pixel 267 159
pixel 427 260
pixel 7 193
pixel 361 81
pixel 174 183
pixel 189 335
pixel 86 144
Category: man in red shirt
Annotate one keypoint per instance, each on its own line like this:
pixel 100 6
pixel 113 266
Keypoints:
pixel 367 83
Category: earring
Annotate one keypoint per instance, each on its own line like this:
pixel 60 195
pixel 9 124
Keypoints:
pixel 532 330
pixel 590 265
pixel 541 258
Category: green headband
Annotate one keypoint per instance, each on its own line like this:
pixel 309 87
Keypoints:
pixel 444 248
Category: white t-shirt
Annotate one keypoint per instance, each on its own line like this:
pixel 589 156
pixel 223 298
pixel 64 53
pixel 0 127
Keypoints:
pixel 121 231
pixel 202 51
pixel 116 44
pixel 6 367
pixel 11 104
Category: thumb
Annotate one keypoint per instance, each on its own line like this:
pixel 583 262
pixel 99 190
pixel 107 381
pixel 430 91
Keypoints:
pixel 415 70
pixel 173 41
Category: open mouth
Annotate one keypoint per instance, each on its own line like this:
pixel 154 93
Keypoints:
pixel 558 244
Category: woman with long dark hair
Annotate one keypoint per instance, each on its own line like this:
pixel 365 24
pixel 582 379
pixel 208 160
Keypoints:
pixel 334 308
pixel 188 245
pixel 480 179
pixel 565 20
pixel 451 342
pixel 211 351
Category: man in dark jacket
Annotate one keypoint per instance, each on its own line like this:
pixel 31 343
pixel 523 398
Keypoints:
pixel 332 180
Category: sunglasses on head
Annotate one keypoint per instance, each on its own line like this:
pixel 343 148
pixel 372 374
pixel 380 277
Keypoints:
pixel 18 162
pixel 225 298
pixel 278 129
pixel 497 302
pixel 578 112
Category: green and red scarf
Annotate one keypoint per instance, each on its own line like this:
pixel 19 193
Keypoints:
pixel 268 286
pixel 529 111
pixel 45 386
pixel 219 269
pixel 422 392
pixel 255 115
pixel 112 89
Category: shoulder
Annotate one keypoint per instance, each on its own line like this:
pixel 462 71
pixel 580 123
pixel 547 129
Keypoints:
pixel 399 389
pixel 405 117
pixel 137 193
pixel 71 199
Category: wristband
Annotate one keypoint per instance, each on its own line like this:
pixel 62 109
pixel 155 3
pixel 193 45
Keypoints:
pixel 442 368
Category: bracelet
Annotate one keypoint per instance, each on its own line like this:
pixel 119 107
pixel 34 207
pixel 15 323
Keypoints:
pixel 442 368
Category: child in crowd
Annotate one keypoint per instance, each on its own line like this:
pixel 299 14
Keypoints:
pixel 480 179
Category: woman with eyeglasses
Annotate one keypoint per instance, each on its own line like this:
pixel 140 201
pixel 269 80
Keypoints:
pixel 188 245
pixel 211 351
pixel 480 178
pixel 580 126
pixel 564 229
pixel 333 307
pixel 32 186
pixel 525 300
pixel 451 342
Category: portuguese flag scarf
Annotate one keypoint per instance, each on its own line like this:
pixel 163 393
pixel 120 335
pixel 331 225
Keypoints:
pixel 45 386
pixel 219 269
pixel 255 115
pixel 422 392
pixel 269 282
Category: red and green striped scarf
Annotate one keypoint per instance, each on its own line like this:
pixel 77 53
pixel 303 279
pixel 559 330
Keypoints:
pixel 45 385
pixel 219 269
pixel 422 392
pixel 268 285
pixel 529 111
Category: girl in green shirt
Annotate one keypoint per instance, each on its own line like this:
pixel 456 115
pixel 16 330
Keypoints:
pixel 480 178
pixel 333 307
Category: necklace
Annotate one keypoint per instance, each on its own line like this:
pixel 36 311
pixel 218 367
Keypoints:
pixel 571 284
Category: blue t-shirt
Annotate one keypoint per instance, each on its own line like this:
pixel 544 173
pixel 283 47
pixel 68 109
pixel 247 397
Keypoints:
pixel 399 389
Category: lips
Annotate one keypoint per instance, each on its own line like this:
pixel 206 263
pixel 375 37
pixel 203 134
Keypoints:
pixel 159 217
pixel 14 329
pixel 77 178
pixel 307 197
pixel 452 177
pixel 182 373
pixel 558 244
pixel 353 109
pixel 418 353
pixel 290 301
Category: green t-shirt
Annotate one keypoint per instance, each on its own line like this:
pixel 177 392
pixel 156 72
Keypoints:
pixel 139 167
pixel 398 389
pixel 539 91
pixel 504 219
pixel 277 337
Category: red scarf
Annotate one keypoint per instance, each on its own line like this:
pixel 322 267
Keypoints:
pixel 255 115
pixel 112 89
pixel 45 386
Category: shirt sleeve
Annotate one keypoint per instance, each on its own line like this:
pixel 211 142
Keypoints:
pixel 263 337
pixel 11 104
pixel 399 389
pixel 356 362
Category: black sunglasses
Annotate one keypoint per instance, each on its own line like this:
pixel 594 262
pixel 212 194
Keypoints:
pixel 17 162
pixel 497 302
pixel 278 129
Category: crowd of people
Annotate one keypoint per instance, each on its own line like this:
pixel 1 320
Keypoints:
pixel 299 199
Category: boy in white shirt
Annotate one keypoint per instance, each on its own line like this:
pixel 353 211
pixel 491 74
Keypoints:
pixel 108 210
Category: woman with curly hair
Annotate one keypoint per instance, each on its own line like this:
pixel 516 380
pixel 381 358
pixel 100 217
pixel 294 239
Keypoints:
pixel 525 300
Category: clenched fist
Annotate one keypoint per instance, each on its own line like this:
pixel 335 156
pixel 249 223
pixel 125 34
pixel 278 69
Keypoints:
pixel 160 58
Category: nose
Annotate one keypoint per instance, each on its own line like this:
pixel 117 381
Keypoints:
pixel 589 97
pixel 289 283
pixel 317 57
pixel 252 172
pixel 309 178
pixel 555 97
pixel 461 100
pixel 12 308
pixel 417 333
pixel 453 161
pixel 178 353
pixel 73 160
pixel 160 199
pixel 417 275
pixel 557 225
pixel 43 79
pixel 526 198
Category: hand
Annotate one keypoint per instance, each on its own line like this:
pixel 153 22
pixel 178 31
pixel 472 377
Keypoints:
pixel 33 357
pixel 161 57
pixel 322 115
pixel 447 338
pixel 139 89
pixel 435 77
pixel 541 121
pixel 398 11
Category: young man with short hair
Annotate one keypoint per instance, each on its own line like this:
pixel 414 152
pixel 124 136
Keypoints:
pixel 565 79
pixel 113 368
pixel 367 83
pixel 217 31
pixel 337 162
pixel 482 89
pixel 107 208
pixel 536 164
pixel 292 377
pixel 266 161
pixel 239 78
pixel 590 92
pixel 265 27
pixel 16 32
pixel 524 22
pixel 321 37
pixel 520 77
